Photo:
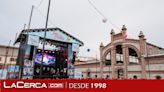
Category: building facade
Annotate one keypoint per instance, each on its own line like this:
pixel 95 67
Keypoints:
pixel 8 56
pixel 125 58
pixel 89 67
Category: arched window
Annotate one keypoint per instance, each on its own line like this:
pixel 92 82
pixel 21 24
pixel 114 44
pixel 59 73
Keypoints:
pixel 108 56
pixel 108 59
pixel 119 54
pixel 133 57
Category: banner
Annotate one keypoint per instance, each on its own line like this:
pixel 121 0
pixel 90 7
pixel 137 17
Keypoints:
pixel 28 69
pixel 12 72
pixel 13 68
pixel 57 35
pixel 75 47
pixel 33 40
pixel 71 69
pixel 3 73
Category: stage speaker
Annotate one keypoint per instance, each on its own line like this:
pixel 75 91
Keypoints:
pixel 31 52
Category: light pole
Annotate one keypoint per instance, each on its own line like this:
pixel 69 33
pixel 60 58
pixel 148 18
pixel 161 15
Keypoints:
pixel 44 39
pixel 148 61
pixel 88 50
pixel 12 54
pixel 96 65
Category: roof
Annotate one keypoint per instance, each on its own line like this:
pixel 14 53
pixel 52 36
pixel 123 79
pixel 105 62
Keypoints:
pixel 86 63
pixel 24 32
pixel 155 55
pixel 8 46
pixel 138 41
pixel 148 44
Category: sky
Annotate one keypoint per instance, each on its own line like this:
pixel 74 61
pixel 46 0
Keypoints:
pixel 81 20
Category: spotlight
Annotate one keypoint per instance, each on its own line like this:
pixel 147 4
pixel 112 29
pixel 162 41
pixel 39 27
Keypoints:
pixel 38 50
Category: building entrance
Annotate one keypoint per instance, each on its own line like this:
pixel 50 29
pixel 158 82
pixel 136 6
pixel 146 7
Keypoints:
pixel 120 73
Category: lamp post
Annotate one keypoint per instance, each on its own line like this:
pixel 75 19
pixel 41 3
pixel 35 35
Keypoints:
pixel 44 39
pixel 88 50
pixel 12 54
pixel 148 61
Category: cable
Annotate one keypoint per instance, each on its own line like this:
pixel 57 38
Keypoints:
pixel 96 9
pixel 105 18
pixel 43 15
pixel 39 4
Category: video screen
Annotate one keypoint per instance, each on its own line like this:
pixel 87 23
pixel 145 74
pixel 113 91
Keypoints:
pixel 48 59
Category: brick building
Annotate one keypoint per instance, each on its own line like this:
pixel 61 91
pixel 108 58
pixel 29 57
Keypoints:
pixel 8 56
pixel 125 58
pixel 88 66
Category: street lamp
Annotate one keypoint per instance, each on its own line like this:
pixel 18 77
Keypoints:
pixel 88 50
pixel 44 39
pixel 148 61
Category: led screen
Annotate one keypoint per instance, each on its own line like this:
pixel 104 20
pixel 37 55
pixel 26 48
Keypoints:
pixel 47 59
